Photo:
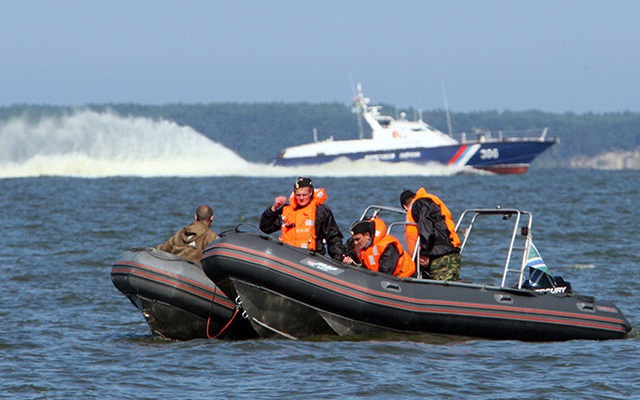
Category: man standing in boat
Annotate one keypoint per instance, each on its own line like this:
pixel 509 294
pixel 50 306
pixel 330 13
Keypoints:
pixel 190 241
pixel 305 221
pixel 439 243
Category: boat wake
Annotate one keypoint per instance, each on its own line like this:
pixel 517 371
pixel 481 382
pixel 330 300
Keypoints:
pixel 89 144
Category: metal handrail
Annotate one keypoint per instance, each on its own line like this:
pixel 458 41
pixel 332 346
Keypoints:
pixel 506 213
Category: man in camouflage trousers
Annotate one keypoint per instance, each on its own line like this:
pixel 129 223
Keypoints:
pixel 430 221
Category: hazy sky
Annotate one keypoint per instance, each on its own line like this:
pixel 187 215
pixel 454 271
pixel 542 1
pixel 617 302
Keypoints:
pixel 551 55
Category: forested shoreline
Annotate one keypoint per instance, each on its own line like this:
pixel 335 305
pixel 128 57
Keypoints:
pixel 258 131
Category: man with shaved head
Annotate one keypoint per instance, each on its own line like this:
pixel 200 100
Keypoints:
pixel 190 241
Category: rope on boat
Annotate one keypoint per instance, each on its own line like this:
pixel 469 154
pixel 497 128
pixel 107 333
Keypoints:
pixel 235 312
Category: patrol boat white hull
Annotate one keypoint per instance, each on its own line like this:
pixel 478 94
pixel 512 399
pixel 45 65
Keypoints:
pixel 402 140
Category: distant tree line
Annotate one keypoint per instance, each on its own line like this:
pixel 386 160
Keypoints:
pixel 259 131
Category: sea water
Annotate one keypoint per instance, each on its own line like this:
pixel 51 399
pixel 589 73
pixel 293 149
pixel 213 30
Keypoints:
pixel 67 332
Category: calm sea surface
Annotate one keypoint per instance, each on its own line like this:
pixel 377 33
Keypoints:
pixel 68 333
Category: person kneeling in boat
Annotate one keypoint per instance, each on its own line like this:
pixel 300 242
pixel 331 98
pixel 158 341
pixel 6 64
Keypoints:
pixel 431 221
pixel 379 251
pixel 305 221
pixel 190 241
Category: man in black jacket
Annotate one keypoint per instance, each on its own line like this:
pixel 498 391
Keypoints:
pixel 305 221
pixel 439 243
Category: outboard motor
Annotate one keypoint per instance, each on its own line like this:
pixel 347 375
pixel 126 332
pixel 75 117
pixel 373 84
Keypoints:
pixel 542 282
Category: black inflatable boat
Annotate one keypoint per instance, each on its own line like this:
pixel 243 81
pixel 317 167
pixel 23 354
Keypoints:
pixel 293 293
pixel 175 297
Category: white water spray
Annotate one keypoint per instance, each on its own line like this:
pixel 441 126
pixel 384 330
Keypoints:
pixel 92 144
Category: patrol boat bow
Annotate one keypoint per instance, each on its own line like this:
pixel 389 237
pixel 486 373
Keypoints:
pixel 401 140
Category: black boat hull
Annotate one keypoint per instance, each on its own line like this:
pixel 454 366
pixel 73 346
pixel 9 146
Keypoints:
pixel 292 293
pixel 175 297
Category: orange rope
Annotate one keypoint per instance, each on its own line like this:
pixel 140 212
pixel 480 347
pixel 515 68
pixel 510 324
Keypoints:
pixel 209 318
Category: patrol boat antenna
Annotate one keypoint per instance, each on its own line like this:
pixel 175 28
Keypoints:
pixel 446 109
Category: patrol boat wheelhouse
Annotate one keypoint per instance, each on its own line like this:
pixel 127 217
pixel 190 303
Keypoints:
pixel 401 140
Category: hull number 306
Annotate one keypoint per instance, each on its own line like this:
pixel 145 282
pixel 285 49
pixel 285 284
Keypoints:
pixel 489 154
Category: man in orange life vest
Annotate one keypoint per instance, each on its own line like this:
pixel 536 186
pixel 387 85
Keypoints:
pixel 439 242
pixel 379 251
pixel 305 221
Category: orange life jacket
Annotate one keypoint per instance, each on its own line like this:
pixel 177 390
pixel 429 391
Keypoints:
pixel 411 231
pixel 299 223
pixel 371 255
